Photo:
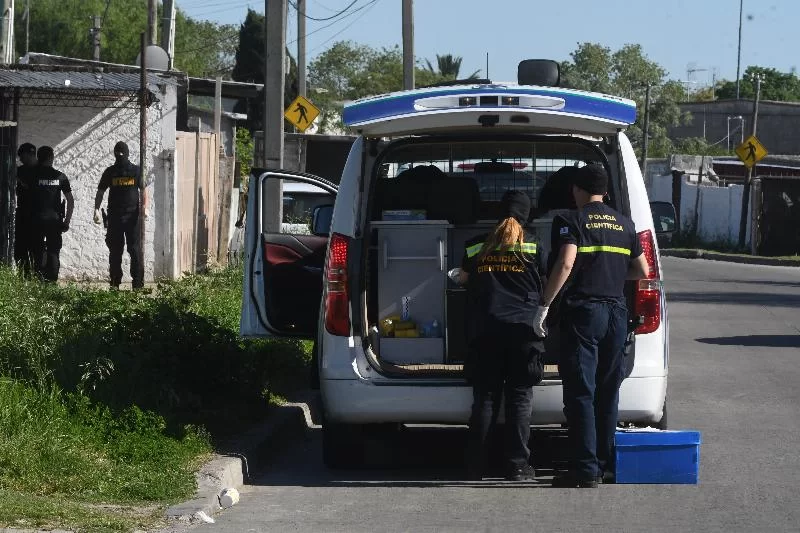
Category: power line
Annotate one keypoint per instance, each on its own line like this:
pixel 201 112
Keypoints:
pixel 368 4
pixel 342 12
pixel 371 4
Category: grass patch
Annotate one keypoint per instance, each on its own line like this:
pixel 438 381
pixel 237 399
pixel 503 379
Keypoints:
pixel 109 401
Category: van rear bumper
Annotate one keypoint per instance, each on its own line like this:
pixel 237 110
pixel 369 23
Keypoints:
pixel 363 402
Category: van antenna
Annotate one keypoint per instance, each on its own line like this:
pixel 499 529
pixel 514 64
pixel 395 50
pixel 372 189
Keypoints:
pixel 487 65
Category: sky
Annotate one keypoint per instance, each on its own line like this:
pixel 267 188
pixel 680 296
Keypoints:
pixel 680 35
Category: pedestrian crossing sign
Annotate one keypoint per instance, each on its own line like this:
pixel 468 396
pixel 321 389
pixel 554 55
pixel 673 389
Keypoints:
pixel 301 112
pixel 751 151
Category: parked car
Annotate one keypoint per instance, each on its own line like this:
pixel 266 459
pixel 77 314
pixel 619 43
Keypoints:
pixel 379 251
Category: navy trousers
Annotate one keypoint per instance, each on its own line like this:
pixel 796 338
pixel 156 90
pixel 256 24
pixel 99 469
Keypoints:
pixel 591 367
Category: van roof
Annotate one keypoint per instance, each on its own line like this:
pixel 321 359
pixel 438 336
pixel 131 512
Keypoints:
pixel 505 107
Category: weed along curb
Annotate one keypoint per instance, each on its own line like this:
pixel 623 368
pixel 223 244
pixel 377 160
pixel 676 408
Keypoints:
pixel 731 258
pixel 240 457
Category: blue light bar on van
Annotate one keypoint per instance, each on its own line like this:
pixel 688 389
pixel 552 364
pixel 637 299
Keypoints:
pixel 455 101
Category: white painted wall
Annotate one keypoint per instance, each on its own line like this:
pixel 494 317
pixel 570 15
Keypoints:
pixel 719 208
pixel 83 139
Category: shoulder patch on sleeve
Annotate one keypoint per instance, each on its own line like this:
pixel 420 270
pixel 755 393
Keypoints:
pixel 564 230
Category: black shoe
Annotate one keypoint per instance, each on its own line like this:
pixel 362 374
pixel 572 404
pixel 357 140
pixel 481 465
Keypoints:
pixel 521 473
pixel 569 481
pixel 608 478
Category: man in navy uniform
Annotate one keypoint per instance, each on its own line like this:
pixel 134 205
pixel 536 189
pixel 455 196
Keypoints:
pixel 127 193
pixel 47 221
pixel 598 249
pixel 26 173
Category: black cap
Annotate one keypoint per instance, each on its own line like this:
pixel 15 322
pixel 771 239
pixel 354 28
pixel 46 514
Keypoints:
pixel 515 204
pixel 592 179
pixel 45 153
pixel 121 149
pixel 26 148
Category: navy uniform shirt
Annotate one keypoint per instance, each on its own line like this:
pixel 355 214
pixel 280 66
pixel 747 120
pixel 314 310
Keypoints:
pixel 125 182
pixel 26 174
pixel 503 284
pixel 607 243
pixel 45 198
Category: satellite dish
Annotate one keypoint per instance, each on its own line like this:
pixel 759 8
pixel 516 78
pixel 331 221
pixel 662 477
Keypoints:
pixel 156 58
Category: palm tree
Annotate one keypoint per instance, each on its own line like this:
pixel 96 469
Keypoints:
pixel 449 67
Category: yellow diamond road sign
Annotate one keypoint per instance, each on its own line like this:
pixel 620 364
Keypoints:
pixel 751 151
pixel 301 112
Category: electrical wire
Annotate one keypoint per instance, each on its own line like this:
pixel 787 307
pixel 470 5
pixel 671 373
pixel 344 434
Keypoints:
pixel 342 12
pixel 368 4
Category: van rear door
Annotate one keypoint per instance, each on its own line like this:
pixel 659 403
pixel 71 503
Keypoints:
pixel 286 239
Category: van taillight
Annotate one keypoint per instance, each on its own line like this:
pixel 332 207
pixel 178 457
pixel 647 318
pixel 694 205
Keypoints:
pixel 337 308
pixel 648 292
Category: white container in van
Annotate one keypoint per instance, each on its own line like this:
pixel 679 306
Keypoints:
pixel 449 152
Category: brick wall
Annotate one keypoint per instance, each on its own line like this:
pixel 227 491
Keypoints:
pixel 83 140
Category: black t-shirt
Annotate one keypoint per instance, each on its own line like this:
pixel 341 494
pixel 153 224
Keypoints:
pixel 125 182
pixel 26 174
pixel 46 188
pixel 607 243
pixel 504 285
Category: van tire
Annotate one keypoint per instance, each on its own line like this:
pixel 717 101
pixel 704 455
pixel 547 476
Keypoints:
pixel 342 445
pixel 662 424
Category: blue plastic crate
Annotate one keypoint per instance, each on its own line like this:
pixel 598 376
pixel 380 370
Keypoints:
pixel 669 457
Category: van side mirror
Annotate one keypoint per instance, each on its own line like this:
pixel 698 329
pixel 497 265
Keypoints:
pixel 321 218
pixel 663 217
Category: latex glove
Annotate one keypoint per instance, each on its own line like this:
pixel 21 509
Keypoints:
pixel 538 321
pixel 147 213
pixel 455 274
pixel 98 218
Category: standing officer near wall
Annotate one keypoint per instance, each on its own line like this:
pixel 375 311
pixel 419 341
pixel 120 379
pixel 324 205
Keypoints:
pixel 597 246
pixel 47 222
pixel 127 191
pixel 26 173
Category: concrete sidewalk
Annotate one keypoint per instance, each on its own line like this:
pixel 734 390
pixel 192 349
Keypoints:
pixel 732 258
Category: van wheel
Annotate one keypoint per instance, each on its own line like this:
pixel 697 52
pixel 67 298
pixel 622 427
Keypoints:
pixel 662 424
pixel 342 445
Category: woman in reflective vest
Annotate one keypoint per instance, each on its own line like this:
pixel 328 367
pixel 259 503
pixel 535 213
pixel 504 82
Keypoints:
pixel 501 272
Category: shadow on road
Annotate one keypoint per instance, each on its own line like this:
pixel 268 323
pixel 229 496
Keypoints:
pixel 771 341
pixel 735 298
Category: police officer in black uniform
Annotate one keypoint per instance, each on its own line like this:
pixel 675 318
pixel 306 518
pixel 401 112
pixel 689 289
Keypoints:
pixel 598 250
pixel 26 174
pixel 48 223
pixel 127 191
pixel 501 272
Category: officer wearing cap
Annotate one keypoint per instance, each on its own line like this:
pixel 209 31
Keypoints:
pixel 127 193
pixel 501 272
pixel 47 222
pixel 26 173
pixel 598 250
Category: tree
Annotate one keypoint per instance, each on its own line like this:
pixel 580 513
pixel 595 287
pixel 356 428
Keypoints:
pixel 626 73
pixel 775 85
pixel 61 27
pixel 348 71
pixel 249 64
pixel 449 67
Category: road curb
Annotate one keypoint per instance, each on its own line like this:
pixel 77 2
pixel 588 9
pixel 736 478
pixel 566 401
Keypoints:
pixel 731 258
pixel 239 457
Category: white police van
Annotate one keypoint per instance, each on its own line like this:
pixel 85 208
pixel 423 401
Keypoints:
pixel 368 279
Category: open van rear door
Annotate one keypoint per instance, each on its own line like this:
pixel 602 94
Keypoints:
pixel 286 239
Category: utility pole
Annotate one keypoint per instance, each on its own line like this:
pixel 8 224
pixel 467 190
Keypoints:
pixel 142 145
pixel 94 34
pixel 408 44
pixel 168 31
pixel 739 56
pixel 646 131
pixel 274 86
pixel 301 47
pixel 7 44
pixel 750 171
pixel 27 25
pixel 152 16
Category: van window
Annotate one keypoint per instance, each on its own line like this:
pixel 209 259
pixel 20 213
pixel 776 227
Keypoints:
pixel 492 167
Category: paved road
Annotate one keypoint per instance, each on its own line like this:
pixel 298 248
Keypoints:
pixel 734 375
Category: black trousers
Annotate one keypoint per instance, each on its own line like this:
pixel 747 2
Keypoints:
pixel 122 230
pixel 591 367
pixel 45 245
pixel 506 364
pixel 23 252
